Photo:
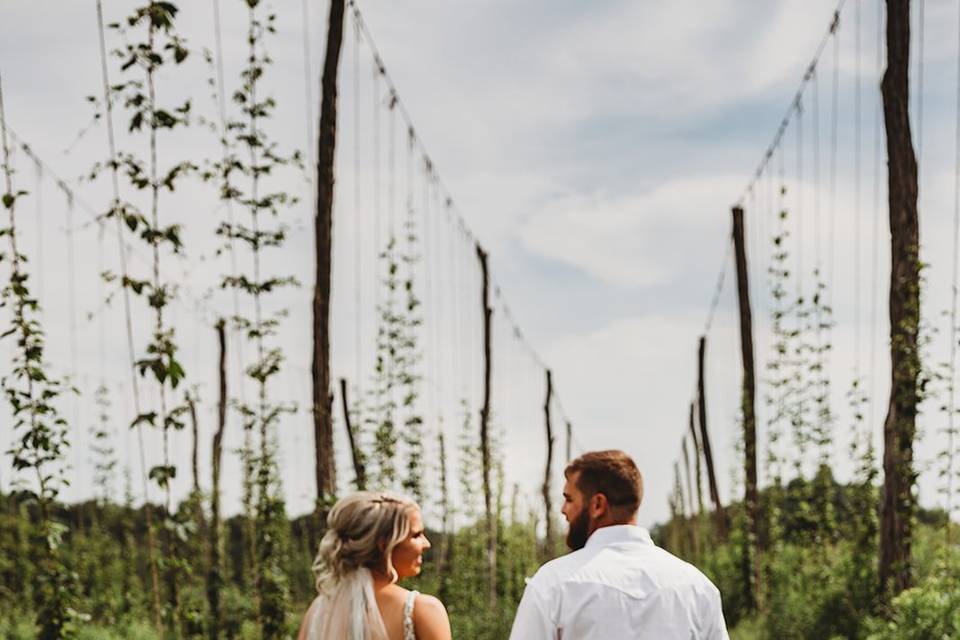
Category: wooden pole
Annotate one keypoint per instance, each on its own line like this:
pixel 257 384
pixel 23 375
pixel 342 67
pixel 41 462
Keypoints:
pixel 679 516
pixel 359 469
pixel 195 430
pixel 748 411
pixel 547 490
pixel 697 455
pixel 693 523
pixel 484 428
pixel 215 573
pixel 898 506
pixel 686 468
pixel 719 514
pixel 444 510
pixel 569 441
pixel 326 472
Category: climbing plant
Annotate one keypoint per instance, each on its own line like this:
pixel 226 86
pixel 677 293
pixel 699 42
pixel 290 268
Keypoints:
pixel 151 44
pixel 245 176
pixel 40 443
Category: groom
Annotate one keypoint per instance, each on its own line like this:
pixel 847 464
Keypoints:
pixel 616 584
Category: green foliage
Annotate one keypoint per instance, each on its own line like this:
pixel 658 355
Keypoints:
pixel 250 159
pixel 929 610
pixel 394 416
pixel 113 571
pixel 39 433
pixel 104 454
pixel 830 589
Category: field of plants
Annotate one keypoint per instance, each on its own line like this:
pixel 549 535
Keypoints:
pixel 155 485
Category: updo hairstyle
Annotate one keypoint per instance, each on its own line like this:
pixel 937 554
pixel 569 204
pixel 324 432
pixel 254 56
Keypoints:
pixel 362 531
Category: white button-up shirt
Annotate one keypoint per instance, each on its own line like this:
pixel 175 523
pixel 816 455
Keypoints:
pixel 620 586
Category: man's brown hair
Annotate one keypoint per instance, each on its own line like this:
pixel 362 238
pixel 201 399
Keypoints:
pixel 612 473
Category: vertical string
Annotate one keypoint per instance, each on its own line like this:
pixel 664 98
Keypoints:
pixel 921 64
pixel 235 331
pixel 875 242
pixel 122 252
pixel 375 142
pixel 834 122
pixel 38 174
pixel 74 359
pixel 856 197
pixel 308 90
pixel 951 383
pixel 358 226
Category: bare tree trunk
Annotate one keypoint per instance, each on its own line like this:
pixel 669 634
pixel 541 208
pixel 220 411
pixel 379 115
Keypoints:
pixel 359 470
pixel 719 514
pixel 751 557
pixel 215 574
pixel 697 455
pixel 484 428
pixel 898 507
pixel 548 473
pixel 326 472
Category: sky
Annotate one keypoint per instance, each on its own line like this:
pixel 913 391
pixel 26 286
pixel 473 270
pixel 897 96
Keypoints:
pixel 593 149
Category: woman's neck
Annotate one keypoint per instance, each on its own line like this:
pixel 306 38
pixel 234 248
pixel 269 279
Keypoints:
pixel 380 580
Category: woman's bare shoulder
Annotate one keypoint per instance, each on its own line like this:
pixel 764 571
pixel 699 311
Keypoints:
pixel 430 618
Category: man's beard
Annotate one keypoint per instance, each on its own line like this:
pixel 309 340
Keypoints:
pixel 578 531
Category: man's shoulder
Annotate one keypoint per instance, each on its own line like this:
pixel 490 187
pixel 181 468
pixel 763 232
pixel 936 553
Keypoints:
pixel 653 566
pixel 556 571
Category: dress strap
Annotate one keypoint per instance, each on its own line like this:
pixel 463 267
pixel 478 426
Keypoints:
pixel 408 631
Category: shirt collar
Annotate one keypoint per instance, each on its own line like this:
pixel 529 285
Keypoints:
pixel 613 534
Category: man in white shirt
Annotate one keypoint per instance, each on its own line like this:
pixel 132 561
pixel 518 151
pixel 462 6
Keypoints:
pixel 617 584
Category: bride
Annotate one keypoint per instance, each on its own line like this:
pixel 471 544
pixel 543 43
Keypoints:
pixel 372 541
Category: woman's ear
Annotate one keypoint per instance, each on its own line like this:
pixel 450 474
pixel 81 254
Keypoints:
pixel 382 545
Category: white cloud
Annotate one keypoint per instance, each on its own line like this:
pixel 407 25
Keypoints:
pixel 641 240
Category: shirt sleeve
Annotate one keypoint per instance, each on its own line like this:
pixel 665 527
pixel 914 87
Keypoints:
pixel 532 621
pixel 713 614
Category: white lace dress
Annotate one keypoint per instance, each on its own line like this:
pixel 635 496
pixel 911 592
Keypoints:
pixel 408 631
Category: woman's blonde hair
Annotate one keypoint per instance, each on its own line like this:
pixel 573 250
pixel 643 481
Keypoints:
pixel 362 531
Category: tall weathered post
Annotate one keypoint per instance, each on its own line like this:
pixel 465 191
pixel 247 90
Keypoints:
pixel 693 521
pixel 751 498
pixel 326 473
pixel 697 456
pixel 719 514
pixel 195 445
pixel 898 507
pixel 444 551
pixel 484 428
pixel 359 468
pixel 547 490
pixel 215 578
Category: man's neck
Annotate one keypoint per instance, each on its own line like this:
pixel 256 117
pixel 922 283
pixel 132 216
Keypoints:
pixel 611 522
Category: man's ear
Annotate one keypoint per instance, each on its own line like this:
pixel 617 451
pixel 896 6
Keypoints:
pixel 598 505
